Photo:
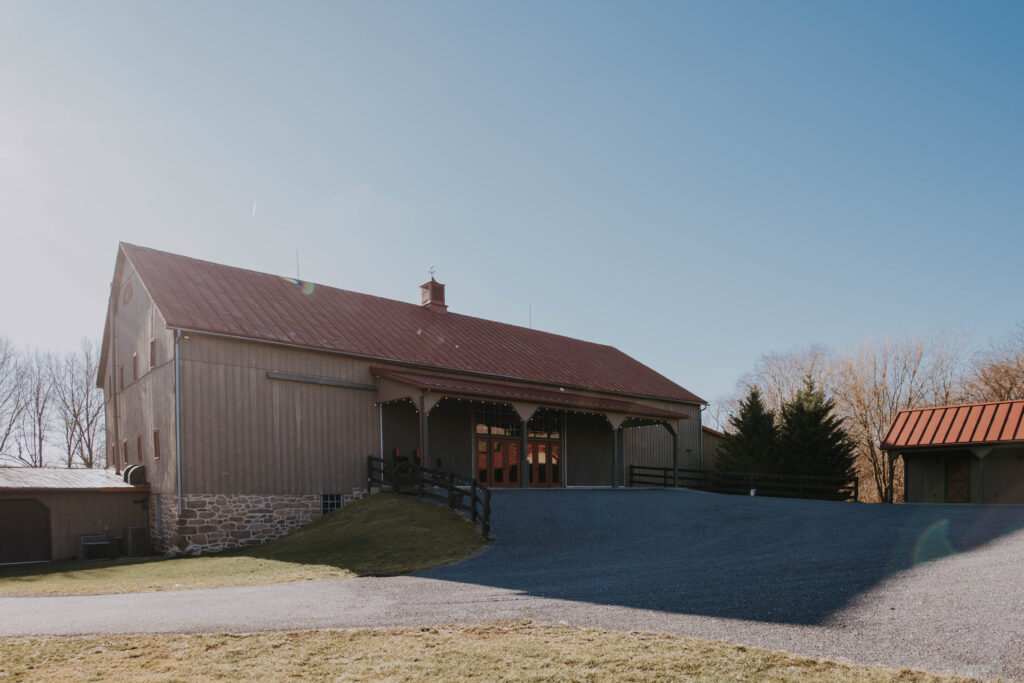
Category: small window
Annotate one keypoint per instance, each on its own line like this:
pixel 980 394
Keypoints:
pixel 329 502
pixel 135 367
pixel 152 353
pixel 128 292
pixel 156 443
pixel 124 452
pixel 121 372
pixel 140 447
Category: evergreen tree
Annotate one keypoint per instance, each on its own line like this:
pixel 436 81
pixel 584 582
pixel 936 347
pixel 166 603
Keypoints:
pixel 812 440
pixel 752 445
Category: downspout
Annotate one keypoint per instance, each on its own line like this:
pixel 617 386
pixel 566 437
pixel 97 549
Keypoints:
pixel 700 438
pixel 114 290
pixel 177 413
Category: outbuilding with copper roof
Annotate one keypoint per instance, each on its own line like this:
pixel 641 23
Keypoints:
pixel 971 453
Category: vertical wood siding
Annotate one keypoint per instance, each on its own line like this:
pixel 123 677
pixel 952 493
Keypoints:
pixel 243 432
pixel 145 403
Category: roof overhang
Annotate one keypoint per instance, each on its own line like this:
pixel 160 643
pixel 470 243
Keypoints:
pixel 399 384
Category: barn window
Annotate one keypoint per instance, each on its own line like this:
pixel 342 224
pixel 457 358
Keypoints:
pixel 140 447
pixel 128 291
pixel 329 502
pixel 120 369
pixel 124 452
pixel 135 366
pixel 152 353
pixel 156 443
pixel 497 419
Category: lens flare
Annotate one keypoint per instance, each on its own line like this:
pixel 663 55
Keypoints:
pixel 934 543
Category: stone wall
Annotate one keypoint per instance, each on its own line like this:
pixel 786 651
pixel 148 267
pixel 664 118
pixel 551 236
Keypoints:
pixel 211 522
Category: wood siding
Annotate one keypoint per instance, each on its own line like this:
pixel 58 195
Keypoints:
pixel 77 513
pixel 147 402
pixel 243 432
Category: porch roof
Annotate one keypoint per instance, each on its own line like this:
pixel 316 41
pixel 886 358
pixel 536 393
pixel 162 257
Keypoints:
pixel 509 392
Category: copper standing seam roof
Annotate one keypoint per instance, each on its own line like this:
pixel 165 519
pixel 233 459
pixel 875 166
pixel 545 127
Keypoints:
pixel 200 296
pixel 509 392
pixel 973 424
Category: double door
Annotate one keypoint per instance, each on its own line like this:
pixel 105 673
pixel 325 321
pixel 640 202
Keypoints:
pixel 498 462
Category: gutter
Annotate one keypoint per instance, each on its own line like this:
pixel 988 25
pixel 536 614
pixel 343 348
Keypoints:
pixel 177 413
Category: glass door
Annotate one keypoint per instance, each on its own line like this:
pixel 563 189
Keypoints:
pixel 497 462
pixel 544 463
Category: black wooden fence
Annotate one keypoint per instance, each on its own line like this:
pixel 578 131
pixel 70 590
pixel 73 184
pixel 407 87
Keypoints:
pixel 460 493
pixel 764 484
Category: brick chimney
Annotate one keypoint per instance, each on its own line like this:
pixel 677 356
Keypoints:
pixel 432 295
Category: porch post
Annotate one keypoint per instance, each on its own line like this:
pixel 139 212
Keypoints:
pixel 424 434
pixel 675 460
pixel 524 468
pixel 616 434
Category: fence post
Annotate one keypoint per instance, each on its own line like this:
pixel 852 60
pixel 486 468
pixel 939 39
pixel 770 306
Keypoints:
pixel 369 474
pixel 451 490
pixel 419 472
pixel 394 473
pixel 856 489
pixel 472 503
pixel 486 526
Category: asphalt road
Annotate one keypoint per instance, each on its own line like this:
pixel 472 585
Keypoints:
pixel 939 588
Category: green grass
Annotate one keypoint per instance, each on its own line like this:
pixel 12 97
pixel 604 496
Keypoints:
pixel 380 534
pixel 519 651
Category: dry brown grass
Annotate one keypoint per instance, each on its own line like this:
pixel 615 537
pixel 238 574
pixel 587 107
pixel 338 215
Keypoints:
pixel 520 651
pixel 380 534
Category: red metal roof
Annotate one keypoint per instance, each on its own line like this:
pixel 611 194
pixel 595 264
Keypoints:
pixel 510 392
pixel 208 297
pixel 973 424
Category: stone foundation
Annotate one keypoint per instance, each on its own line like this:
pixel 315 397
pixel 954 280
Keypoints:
pixel 211 522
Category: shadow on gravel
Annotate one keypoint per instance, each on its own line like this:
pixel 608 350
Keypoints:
pixel 764 559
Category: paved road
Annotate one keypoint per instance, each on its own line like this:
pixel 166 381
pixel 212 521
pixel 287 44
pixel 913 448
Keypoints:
pixel 934 587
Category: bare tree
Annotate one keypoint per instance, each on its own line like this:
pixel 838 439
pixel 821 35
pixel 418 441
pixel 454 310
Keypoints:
pixel 874 381
pixel 79 404
pixel 780 376
pixel 34 424
pixel 997 373
pixel 12 394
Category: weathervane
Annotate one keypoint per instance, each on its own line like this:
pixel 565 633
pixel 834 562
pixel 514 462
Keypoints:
pixel 431 271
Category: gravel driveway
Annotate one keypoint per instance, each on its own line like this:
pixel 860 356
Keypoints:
pixel 934 587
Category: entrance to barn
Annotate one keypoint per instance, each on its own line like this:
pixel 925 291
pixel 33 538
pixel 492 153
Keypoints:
pixel 24 531
pixel 544 461
pixel 497 462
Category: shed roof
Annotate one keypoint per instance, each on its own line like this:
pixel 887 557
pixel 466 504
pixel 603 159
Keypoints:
pixel 207 297
pixel 510 392
pixel 973 424
pixel 16 478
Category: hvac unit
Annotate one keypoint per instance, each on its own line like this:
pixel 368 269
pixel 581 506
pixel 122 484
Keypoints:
pixel 135 542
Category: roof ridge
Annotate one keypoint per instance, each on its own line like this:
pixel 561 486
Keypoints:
pixel 962 405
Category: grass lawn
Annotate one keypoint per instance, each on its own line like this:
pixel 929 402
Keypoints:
pixel 520 651
pixel 379 534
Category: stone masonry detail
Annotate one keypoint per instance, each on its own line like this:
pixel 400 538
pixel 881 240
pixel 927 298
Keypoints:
pixel 211 522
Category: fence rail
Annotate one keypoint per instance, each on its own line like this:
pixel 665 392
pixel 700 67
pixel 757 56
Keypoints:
pixel 765 484
pixel 460 493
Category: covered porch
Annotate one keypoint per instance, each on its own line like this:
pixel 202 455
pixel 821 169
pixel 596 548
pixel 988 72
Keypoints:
pixel 512 435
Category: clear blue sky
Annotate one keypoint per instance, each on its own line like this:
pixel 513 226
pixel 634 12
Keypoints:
pixel 694 183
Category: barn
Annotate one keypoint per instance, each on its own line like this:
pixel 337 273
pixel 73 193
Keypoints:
pixel 252 400
pixel 970 453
